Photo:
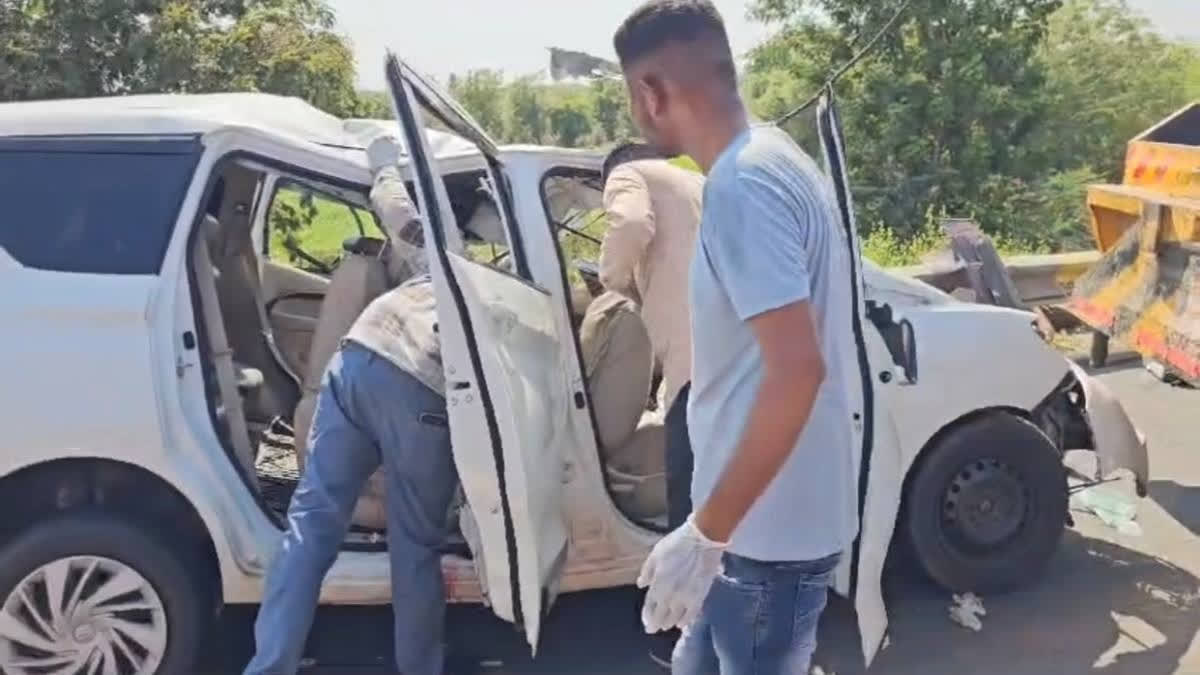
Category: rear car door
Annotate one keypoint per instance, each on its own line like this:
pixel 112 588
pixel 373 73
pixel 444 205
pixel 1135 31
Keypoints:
pixel 880 478
pixel 506 388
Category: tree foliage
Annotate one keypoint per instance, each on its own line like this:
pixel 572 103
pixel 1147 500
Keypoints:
pixel 1003 110
pixel 528 110
pixel 79 48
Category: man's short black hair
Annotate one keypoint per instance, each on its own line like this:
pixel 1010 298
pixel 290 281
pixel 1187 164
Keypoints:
pixel 626 152
pixel 658 22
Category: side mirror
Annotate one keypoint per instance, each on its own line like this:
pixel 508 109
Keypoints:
pixel 909 342
pixel 899 337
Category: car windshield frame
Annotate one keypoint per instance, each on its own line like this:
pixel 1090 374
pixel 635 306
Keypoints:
pixel 450 113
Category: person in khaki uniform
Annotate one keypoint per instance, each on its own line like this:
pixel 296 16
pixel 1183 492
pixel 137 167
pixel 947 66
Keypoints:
pixel 653 210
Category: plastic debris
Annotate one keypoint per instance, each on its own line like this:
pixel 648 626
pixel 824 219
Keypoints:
pixel 1113 509
pixel 966 610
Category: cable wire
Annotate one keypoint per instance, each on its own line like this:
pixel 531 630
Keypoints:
pixel 870 46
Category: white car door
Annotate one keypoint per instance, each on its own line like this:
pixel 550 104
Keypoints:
pixel 879 462
pixel 506 387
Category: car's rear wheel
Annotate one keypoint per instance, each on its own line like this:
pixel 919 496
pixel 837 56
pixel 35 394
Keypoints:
pixel 91 593
pixel 987 505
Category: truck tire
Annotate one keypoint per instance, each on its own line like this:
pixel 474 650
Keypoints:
pixel 987 505
pixel 125 603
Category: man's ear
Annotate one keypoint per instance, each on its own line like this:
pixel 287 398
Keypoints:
pixel 655 94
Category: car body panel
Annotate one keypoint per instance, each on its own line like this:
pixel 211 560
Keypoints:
pixel 506 393
pixel 1117 442
pixel 76 340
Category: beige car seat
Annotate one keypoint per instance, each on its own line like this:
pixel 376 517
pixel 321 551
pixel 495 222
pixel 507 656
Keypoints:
pixel 249 330
pixel 359 278
pixel 233 380
pixel 618 360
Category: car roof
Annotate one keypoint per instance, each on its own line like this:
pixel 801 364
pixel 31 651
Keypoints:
pixel 286 120
pixel 200 114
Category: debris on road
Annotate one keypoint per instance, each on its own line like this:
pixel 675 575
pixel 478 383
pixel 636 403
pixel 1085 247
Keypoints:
pixel 966 610
pixel 1111 508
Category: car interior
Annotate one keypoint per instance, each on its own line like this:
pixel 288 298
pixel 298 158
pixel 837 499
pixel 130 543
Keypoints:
pixel 282 267
pixel 620 371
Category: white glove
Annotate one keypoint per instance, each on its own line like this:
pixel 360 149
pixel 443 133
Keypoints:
pixel 679 572
pixel 384 151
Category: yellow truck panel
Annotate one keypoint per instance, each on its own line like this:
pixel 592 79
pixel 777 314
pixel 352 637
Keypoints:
pixel 1145 290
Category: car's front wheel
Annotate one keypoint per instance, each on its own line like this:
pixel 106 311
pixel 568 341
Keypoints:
pixel 92 593
pixel 987 505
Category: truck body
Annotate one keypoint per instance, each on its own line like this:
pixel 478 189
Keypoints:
pixel 1145 289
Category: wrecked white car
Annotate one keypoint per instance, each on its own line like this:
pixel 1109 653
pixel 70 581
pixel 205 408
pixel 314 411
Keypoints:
pixel 175 269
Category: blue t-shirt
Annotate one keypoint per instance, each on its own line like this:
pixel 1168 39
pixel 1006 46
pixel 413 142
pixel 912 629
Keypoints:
pixel 769 237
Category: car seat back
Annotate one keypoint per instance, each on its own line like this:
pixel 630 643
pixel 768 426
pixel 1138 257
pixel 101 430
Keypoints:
pixel 359 278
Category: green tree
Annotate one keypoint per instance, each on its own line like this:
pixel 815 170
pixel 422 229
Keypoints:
pixel 481 92
pixel 76 48
pixel 949 100
pixel 373 105
pixel 526 115
pixel 570 120
pixel 610 110
pixel 1109 76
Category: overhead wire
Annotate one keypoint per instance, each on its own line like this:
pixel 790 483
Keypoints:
pixel 860 55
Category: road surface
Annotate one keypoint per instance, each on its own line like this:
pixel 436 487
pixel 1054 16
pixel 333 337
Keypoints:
pixel 1109 603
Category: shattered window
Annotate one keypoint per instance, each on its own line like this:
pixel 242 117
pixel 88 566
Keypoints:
pixel 573 203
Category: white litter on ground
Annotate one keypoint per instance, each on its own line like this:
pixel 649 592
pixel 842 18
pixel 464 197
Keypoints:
pixel 1113 509
pixel 966 610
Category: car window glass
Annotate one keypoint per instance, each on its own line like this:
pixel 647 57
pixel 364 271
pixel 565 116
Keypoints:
pixel 95 212
pixel 476 208
pixel 306 228
pixel 573 204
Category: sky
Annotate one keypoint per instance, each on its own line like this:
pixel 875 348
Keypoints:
pixel 440 37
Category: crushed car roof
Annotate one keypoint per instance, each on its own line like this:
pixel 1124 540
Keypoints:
pixel 198 114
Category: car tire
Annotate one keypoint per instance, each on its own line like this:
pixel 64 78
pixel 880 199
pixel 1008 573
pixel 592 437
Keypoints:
pixel 987 505
pixel 160 607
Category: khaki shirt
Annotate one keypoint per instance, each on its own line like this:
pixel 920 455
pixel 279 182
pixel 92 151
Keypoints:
pixel 653 210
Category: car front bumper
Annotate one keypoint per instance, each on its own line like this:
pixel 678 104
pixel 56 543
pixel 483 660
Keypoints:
pixel 1117 442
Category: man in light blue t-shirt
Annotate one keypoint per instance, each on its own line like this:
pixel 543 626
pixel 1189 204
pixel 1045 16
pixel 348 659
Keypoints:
pixel 773 352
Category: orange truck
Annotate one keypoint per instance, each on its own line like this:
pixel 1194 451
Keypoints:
pixel 1145 289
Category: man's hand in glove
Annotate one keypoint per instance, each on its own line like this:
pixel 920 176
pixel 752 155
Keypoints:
pixel 383 152
pixel 678 573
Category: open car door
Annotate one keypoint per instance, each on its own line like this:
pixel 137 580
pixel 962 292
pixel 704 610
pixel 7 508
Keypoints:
pixel 880 478
pixel 506 391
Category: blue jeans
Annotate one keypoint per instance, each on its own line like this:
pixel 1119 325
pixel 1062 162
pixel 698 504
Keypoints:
pixel 760 618
pixel 369 413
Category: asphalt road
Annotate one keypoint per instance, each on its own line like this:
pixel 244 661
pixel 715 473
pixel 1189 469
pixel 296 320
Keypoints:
pixel 1109 603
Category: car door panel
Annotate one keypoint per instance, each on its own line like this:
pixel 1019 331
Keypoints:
pixel 523 364
pixel 506 391
pixel 879 465
pixel 293 303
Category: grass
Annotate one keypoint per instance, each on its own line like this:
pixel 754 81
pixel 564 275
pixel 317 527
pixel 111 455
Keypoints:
pixel 887 249
pixel 316 224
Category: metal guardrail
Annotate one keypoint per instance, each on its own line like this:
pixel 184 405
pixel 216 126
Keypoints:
pixel 1040 279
